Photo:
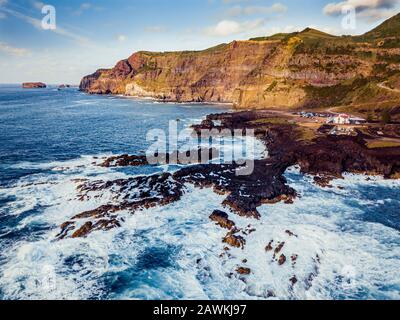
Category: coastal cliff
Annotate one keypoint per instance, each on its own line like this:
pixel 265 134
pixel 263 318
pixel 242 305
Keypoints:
pixel 302 69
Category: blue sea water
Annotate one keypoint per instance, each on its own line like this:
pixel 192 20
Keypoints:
pixel 51 138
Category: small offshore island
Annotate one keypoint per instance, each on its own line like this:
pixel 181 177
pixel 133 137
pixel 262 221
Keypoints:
pixel 34 85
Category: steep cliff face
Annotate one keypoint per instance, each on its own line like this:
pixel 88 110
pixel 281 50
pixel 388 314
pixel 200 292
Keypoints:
pixel 285 70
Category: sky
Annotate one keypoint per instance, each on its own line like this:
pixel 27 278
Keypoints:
pixel 89 34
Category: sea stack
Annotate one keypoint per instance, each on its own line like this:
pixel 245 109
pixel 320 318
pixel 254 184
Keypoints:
pixel 34 85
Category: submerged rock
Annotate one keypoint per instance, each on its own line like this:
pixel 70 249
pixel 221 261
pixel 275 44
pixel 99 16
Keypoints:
pixel 293 280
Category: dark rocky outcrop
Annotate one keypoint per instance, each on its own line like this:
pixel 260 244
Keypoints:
pixel 34 85
pixel 326 157
pixel 124 161
pixel 222 219
pixel 131 194
pixel 234 240
pixel 243 271
pixel 269 247
pixel 246 193
pixel 282 260
pixel 200 155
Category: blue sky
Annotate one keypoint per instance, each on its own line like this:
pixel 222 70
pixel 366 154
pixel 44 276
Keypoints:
pixel 95 34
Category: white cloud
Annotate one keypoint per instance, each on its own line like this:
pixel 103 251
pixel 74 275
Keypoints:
pixel 82 8
pixel 38 5
pixel 85 7
pixel 32 21
pixel 373 15
pixel 234 1
pixel 13 51
pixel 155 29
pixel 250 10
pixel 366 9
pixel 229 27
pixel 121 38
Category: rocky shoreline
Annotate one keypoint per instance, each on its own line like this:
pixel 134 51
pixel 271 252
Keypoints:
pixel 324 157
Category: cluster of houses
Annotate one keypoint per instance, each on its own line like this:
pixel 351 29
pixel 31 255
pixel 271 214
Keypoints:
pixel 345 119
pixel 338 124
pixel 333 118
pixel 342 131
pixel 311 115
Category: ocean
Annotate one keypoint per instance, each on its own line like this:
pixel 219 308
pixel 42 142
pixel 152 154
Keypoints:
pixel 340 243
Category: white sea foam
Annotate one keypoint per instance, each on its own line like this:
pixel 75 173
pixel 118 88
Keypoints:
pixel 340 255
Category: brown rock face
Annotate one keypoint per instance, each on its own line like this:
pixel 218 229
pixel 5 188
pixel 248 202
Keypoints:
pixel 234 241
pixel 34 85
pixel 243 271
pixel 280 71
pixel 269 246
pixel 282 260
pixel 222 219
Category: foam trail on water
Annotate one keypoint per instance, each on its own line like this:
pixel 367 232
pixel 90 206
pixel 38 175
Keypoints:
pixel 176 252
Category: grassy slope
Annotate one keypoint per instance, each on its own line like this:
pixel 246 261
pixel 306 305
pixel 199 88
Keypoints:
pixel 361 95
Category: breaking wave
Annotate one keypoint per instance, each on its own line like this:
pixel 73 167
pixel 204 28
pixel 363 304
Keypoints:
pixel 339 243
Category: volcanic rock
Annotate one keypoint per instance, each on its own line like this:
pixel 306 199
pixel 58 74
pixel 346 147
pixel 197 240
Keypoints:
pixel 222 219
pixel 284 70
pixel 234 241
pixel 243 271
pixel 34 85
pixel 282 260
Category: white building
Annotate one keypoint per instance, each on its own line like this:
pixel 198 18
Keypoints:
pixel 340 119
pixel 357 120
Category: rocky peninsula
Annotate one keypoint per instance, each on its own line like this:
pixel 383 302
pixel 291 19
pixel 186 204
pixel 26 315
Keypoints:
pixel 272 78
pixel 325 157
